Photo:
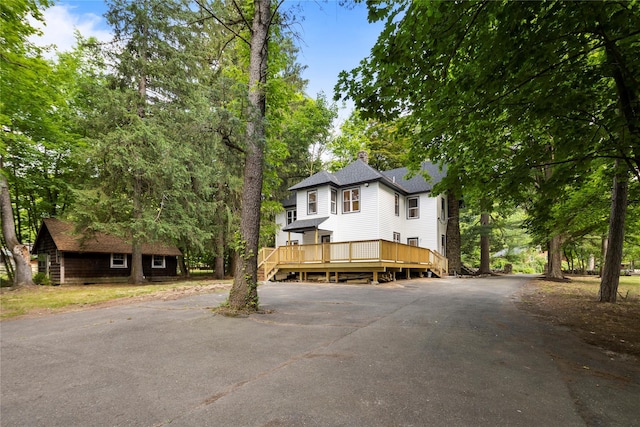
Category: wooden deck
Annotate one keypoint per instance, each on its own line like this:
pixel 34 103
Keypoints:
pixel 332 259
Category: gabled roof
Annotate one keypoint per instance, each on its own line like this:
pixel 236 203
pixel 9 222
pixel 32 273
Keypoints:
pixel 359 171
pixel 66 240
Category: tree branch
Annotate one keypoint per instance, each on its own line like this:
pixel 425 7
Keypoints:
pixel 221 22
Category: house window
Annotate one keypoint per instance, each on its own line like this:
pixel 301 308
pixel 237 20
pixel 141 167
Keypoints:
pixel 351 200
pixel 292 242
pixel 292 215
pixel 412 241
pixel 118 260
pixel 334 201
pixel 443 209
pixel 413 209
pixel 397 204
pixel 312 202
pixel 158 261
pixel 396 237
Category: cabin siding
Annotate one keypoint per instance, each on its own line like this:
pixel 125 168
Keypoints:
pixel 71 266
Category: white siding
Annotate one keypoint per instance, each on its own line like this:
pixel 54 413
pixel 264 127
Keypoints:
pixel 375 220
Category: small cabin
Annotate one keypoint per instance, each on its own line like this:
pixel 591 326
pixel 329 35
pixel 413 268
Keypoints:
pixel 71 258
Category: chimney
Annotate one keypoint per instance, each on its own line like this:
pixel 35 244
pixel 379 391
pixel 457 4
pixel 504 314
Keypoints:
pixel 364 156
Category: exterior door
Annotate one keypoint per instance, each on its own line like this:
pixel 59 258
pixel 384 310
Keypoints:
pixel 326 249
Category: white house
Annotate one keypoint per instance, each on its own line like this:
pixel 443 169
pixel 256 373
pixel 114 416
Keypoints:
pixel 359 203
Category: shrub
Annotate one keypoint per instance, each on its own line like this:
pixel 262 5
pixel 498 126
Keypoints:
pixel 41 279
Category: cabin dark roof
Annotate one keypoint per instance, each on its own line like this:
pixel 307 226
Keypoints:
pixel 358 172
pixel 66 240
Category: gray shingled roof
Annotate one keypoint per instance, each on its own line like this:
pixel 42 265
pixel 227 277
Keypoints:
pixel 359 172
pixel 417 184
pixel 303 225
pixel 290 201
pixel 320 178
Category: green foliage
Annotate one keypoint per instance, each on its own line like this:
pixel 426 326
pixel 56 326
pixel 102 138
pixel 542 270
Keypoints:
pixel 382 141
pixel 42 279
pixel 524 102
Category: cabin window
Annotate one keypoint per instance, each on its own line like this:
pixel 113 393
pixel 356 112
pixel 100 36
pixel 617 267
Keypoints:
pixel 118 260
pixel 397 204
pixel 412 241
pixel 443 209
pixel 334 201
pixel 158 261
pixel 292 242
pixel 396 237
pixel 312 202
pixel 443 247
pixel 351 200
pixel 413 208
pixel 292 215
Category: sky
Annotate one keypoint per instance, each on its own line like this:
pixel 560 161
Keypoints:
pixel 332 38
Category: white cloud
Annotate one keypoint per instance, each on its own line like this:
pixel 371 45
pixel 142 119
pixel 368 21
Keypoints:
pixel 61 23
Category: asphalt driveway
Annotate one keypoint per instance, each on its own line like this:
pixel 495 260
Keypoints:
pixel 429 352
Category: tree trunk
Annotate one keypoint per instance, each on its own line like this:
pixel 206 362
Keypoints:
pixel 218 259
pixel 453 234
pixel 137 274
pixel 244 292
pixel 554 258
pixel 22 258
pixel 611 272
pixel 485 255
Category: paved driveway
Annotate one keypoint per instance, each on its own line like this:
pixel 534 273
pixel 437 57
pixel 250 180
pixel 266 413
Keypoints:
pixel 432 352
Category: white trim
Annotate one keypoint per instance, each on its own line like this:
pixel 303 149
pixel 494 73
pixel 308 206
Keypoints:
pixel 153 261
pixel 314 202
pixel 118 265
pixel 353 203
pixel 415 208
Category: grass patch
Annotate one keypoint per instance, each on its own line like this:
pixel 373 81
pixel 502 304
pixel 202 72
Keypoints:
pixel 614 327
pixel 48 299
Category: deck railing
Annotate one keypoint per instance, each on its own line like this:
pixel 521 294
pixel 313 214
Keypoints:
pixel 381 251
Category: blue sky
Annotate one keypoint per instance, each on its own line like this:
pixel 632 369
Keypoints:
pixel 333 38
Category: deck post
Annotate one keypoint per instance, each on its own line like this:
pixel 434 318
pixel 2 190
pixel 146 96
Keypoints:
pixel 375 277
pixel 328 276
pixel 408 273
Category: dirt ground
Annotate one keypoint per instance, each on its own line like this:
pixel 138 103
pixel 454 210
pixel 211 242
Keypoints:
pixel 612 327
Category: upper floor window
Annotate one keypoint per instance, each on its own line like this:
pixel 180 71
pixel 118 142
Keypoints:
pixel 396 237
pixel 397 204
pixel 158 261
pixel 413 207
pixel 443 209
pixel 312 202
pixel 334 201
pixel 412 241
pixel 292 215
pixel 118 260
pixel 351 200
